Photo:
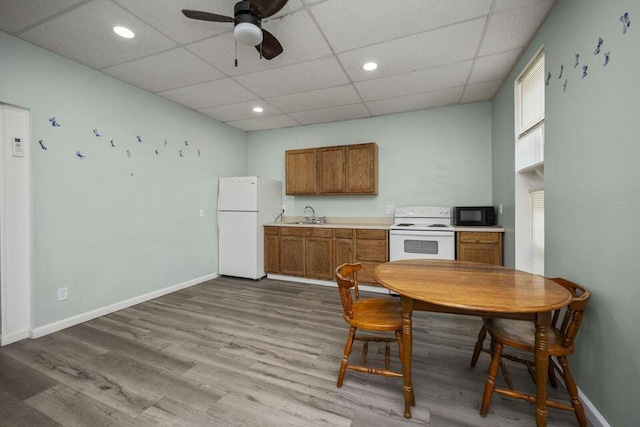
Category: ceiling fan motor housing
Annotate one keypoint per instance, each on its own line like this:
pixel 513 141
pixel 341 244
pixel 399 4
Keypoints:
pixel 248 27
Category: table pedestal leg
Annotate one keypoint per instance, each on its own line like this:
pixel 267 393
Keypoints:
pixel 543 321
pixel 407 342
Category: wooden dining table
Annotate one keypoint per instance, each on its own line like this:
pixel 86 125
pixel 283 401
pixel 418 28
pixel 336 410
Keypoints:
pixel 474 289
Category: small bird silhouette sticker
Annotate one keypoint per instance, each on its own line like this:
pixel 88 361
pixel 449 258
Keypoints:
pixel 96 133
pixel 597 51
pixel 139 138
pixel 80 155
pixel 54 122
pixel 41 142
pixel 626 22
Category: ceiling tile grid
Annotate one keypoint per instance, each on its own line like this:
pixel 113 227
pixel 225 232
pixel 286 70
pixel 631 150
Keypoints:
pixel 430 53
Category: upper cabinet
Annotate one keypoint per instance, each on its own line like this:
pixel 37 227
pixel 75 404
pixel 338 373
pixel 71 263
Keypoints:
pixel 344 169
pixel 301 173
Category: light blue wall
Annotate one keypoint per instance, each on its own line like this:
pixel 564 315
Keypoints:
pixel 592 187
pixel 438 157
pixel 111 227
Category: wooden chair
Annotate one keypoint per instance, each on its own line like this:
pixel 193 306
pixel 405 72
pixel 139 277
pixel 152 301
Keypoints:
pixel 521 335
pixel 372 314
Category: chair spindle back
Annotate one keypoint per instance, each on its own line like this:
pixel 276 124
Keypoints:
pixel 347 278
pixel 573 313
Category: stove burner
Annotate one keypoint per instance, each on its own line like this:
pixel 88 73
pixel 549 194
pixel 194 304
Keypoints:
pixel 437 225
pixel 405 225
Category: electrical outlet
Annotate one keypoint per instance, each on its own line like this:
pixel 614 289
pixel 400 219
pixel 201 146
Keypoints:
pixel 201 212
pixel 390 209
pixel 500 209
pixel 62 294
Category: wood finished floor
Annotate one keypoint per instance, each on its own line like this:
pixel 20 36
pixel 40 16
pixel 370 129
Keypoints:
pixel 232 352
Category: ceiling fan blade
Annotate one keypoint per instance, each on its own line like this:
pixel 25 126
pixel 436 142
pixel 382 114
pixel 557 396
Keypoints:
pixel 206 16
pixel 271 47
pixel 266 8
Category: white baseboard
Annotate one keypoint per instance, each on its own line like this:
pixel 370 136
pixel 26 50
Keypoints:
pixel 14 337
pixel 84 317
pixel 376 289
pixel 591 412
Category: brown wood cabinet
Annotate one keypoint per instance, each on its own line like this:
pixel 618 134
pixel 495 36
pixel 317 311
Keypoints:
pixel 372 249
pixel 301 173
pixel 343 169
pixel 485 247
pixel 315 252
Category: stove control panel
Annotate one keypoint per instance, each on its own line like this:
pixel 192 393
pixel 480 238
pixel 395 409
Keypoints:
pixel 423 212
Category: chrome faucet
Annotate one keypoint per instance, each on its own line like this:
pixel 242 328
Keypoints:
pixel 312 218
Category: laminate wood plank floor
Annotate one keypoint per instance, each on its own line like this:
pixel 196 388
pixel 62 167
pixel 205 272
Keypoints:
pixel 233 352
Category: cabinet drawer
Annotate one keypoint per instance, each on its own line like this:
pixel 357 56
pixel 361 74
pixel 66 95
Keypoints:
pixel 271 231
pixel 371 234
pixel 471 237
pixel 306 232
pixel 343 233
pixel 371 250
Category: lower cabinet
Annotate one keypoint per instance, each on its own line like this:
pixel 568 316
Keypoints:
pixel 315 252
pixel 485 247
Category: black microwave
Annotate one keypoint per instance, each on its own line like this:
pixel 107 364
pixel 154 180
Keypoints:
pixel 473 216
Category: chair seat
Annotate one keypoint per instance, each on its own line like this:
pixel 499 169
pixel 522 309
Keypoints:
pixel 521 334
pixel 379 314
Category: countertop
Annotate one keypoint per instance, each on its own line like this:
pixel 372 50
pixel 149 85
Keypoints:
pixel 487 229
pixel 368 223
pixel 337 222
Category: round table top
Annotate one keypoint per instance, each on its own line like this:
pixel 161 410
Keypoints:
pixel 472 286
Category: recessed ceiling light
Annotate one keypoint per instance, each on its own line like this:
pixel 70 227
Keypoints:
pixel 123 32
pixel 370 66
pixel 258 109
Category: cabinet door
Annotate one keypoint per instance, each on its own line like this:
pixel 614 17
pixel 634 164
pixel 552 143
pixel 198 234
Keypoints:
pixel 344 250
pixel 319 258
pixel 479 247
pixel 272 254
pixel 361 169
pixel 331 170
pixel 292 255
pixel 300 171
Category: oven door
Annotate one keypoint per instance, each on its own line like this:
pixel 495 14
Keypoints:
pixel 404 244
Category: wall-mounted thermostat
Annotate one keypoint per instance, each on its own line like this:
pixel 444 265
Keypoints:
pixel 18 149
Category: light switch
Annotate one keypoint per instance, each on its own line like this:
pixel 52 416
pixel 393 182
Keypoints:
pixel 18 149
pixel 201 212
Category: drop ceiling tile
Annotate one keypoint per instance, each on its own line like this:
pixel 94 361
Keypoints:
pixel 313 100
pixel 481 91
pixel 421 101
pixel 357 23
pixel 430 49
pixel 260 123
pixel 19 14
pixel 300 38
pixel 502 5
pixel 211 94
pixel 440 78
pixel 240 111
pixel 333 114
pixel 494 67
pixel 166 70
pixel 168 18
pixel 307 76
pixel 85 35
pixel 514 28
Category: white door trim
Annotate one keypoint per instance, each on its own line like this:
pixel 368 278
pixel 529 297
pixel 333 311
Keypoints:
pixel 15 220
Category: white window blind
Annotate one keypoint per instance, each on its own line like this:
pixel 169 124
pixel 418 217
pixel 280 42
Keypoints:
pixel 537 232
pixel 531 89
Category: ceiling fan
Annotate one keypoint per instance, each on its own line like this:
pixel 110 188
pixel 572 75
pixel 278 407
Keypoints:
pixel 247 19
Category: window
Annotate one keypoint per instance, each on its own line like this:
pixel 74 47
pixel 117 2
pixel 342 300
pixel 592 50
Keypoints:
pixel 529 90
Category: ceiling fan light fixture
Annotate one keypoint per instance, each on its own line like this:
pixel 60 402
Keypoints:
pixel 248 34
pixel 123 32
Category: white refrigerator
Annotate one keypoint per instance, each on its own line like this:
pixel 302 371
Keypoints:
pixel 244 205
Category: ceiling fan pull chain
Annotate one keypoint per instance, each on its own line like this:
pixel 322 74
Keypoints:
pixel 236 54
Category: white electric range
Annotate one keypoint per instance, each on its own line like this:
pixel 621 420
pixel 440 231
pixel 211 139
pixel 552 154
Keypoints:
pixel 423 232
